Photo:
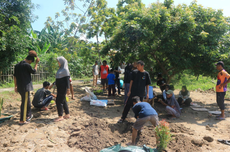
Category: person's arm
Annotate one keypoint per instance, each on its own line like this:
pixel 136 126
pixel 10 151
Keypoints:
pixel 162 102
pixel 68 85
pixel 147 89
pixel 136 111
pixel 53 95
pixel 187 96
pixel 36 64
pixel 224 84
pixel 15 85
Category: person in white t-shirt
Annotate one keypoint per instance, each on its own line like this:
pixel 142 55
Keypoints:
pixel 95 73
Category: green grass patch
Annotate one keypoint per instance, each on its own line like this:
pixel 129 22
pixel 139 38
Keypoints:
pixel 194 83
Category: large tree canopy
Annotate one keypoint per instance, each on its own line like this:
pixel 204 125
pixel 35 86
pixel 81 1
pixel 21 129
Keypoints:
pixel 15 19
pixel 171 38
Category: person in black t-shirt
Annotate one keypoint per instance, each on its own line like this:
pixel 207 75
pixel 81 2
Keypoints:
pixel 140 80
pixel 23 85
pixel 161 82
pixel 127 79
pixel 43 97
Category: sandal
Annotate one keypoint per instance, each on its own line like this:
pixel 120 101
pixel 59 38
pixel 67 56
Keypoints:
pixel 29 119
pixel 120 121
pixel 58 119
pixel 227 142
pixel 220 118
pixel 23 123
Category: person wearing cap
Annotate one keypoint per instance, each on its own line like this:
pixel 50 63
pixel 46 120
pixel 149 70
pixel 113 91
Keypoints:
pixel 43 97
pixel 144 113
pixel 23 86
pixel 223 78
pixel 172 106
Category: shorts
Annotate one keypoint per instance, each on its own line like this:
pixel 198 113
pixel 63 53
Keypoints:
pixel 220 99
pixel 104 81
pixel 141 121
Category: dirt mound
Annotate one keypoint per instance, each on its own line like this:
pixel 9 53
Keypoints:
pixel 92 136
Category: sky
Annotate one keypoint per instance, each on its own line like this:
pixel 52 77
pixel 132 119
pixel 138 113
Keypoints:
pixel 50 7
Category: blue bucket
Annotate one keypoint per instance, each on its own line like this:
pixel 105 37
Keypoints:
pixel 150 92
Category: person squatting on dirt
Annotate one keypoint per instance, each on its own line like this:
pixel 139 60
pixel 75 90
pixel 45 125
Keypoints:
pixel 104 70
pixel 164 95
pixel 143 113
pixel 140 80
pixel 184 97
pixel 63 88
pixel 223 78
pixel 23 85
pixel 43 97
pixel 172 106
pixel 111 81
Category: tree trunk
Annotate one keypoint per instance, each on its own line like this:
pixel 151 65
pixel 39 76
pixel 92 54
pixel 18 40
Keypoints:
pixel 98 48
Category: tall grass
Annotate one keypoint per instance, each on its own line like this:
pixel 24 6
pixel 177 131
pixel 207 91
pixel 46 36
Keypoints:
pixel 194 83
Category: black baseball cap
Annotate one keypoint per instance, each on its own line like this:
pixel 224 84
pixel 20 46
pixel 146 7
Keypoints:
pixel 220 63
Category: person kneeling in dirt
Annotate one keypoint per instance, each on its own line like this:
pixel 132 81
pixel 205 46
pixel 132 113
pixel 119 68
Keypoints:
pixel 43 97
pixel 164 95
pixel 172 106
pixel 143 113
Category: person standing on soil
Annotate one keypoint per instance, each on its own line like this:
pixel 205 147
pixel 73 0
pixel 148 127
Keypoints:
pixel 143 113
pixel 95 74
pixel 127 79
pixel 23 85
pixel 172 106
pixel 184 99
pixel 223 78
pixel 140 80
pixel 63 88
pixel 111 82
pixel 104 70
pixel 43 97
pixel 117 73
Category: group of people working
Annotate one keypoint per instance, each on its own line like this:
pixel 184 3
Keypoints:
pixel 136 80
pixel 23 85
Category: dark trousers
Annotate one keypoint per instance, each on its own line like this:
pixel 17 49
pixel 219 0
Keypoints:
pixel 111 87
pixel 128 105
pixel 220 99
pixel 118 86
pixel 45 102
pixel 186 102
pixel 62 104
pixel 25 106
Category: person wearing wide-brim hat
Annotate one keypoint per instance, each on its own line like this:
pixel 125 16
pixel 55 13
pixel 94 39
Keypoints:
pixel 223 78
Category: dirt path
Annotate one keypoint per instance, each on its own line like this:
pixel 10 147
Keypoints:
pixel 91 128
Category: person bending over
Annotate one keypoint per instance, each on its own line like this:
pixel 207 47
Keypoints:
pixel 143 113
pixel 43 97
pixel 184 99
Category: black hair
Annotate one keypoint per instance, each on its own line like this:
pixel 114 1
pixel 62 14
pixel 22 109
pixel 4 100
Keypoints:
pixel 45 84
pixel 31 58
pixel 159 75
pixel 186 91
pixel 136 99
pixel 140 62
pixel 105 61
pixel 111 70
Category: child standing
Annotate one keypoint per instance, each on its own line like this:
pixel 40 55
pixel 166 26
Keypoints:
pixel 111 82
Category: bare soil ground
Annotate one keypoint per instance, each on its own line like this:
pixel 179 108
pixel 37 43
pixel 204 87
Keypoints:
pixel 91 128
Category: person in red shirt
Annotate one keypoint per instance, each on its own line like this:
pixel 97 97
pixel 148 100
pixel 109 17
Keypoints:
pixel 104 70
pixel 223 78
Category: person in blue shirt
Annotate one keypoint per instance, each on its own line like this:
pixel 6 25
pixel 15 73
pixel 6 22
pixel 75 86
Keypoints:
pixel 111 82
pixel 143 113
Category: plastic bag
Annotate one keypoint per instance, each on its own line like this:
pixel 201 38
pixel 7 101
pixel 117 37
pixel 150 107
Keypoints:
pixel 119 148
pixel 91 94
pixel 99 103
pixel 86 98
